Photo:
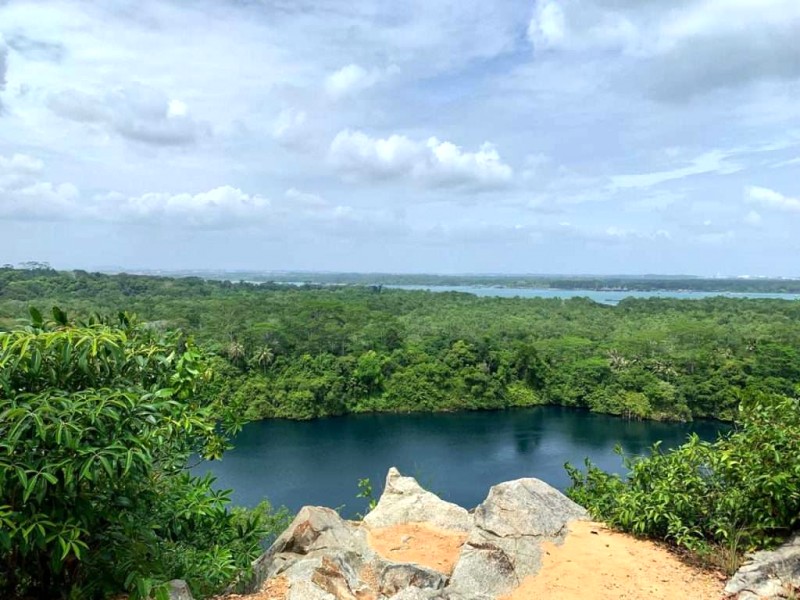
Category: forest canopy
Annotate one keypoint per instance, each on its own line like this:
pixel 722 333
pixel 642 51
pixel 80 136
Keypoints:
pixel 310 351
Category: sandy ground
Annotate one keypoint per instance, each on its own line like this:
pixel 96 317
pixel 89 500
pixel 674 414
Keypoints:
pixel 595 562
pixel 419 543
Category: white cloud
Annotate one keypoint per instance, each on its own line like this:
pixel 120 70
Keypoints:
pixel 753 218
pixel 771 199
pixel 17 171
pixel 432 163
pixel 3 67
pixel 580 26
pixel 682 48
pixel 349 80
pixel 219 207
pixel 176 108
pixel 291 129
pixel 40 201
pixel 20 163
pixel 787 163
pixel 306 200
pixel 136 112
pixel 711 162
pixel 25 197
pixel 3 62
pixel 548 28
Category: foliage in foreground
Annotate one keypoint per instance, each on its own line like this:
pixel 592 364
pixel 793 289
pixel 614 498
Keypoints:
pixel 97 423
pixel 740 492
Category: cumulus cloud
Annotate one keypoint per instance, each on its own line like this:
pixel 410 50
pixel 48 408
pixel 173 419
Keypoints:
pixel 771 199
pixel 431 163
pixel 136 112
pixel 24 195
pixel 218 208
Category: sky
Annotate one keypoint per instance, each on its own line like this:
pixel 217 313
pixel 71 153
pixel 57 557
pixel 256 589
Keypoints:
pixel 437 136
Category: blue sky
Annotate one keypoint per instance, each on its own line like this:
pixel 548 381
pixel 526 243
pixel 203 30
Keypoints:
pixel 546 136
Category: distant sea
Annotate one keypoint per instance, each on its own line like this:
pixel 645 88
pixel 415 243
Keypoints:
pixel 601 297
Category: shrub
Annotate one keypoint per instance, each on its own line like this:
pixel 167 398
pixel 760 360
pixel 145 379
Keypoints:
pixel 97 422
pixel 742 491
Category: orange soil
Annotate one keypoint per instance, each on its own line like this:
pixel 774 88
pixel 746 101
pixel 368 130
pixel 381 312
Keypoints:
pixel 418 543
pixel 595 562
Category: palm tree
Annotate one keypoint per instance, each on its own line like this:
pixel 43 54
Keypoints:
pixel 264 357
pixel 235 352
pixel 616 360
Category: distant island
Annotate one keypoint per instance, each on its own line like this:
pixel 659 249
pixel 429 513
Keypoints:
pixel 600 283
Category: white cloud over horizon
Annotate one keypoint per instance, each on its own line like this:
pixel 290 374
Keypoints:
pixel 432 162
pixel 426 135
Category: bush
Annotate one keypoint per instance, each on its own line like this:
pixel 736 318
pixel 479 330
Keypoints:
pixel 740 492
pixel 97 423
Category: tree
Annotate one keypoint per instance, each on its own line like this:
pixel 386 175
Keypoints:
pixel 264 357
pixel 96 425
pixel 236 352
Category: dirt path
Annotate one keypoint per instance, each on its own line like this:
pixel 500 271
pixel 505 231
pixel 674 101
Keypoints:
pixel 595 562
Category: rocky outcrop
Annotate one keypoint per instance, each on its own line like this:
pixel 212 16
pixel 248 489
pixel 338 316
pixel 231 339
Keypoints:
pixel 321 556
pixel 405 501
pixel 768 575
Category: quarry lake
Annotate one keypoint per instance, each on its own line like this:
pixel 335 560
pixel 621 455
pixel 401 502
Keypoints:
pixel 457 455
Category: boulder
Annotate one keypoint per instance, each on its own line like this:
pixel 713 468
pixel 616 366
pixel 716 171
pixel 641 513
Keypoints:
pixel 527 507
pixel 768 574
pixel 314 532
pixel 405 501
pixel 504 546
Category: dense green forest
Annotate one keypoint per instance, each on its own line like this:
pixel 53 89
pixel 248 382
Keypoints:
pixel 311 351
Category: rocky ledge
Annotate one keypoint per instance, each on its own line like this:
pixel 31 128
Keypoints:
pixel 770 574
pixel 477 556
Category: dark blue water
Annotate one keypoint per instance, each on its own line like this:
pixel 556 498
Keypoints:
pixel 459 456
